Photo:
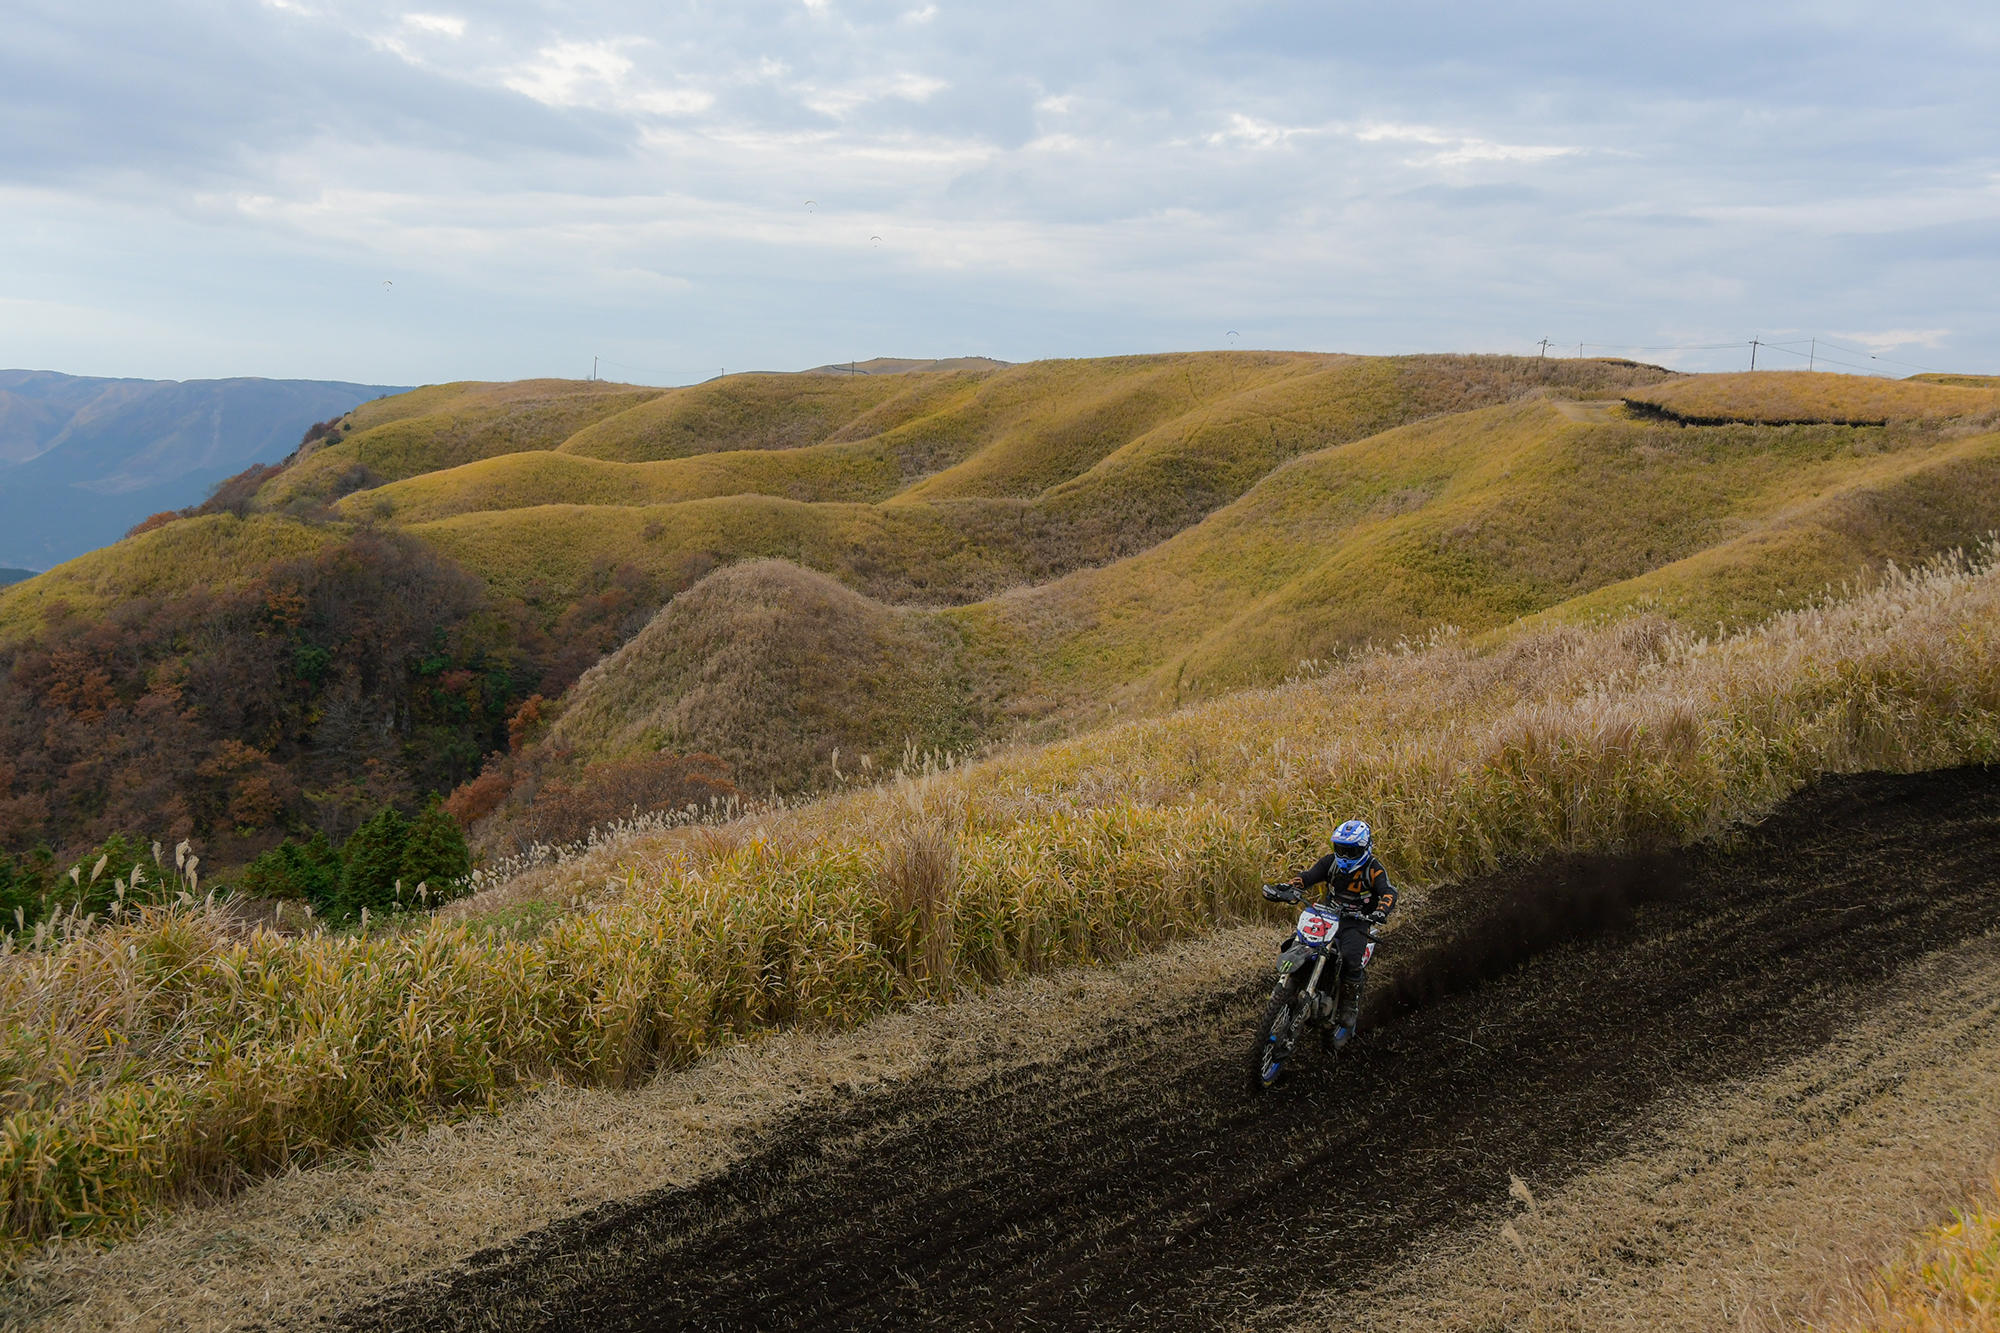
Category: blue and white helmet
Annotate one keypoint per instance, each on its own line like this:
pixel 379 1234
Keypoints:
pixel 1352 842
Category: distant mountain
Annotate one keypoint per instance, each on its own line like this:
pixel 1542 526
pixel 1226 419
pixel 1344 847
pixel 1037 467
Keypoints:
pixel 8 576
pixel 901 365
pixel 83 459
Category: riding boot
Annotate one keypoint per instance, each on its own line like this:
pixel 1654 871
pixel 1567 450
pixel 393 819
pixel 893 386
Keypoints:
pixel 1350 1006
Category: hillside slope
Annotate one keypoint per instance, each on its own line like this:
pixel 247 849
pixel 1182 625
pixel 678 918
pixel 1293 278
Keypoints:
pixel 965 554
pixel 1475 520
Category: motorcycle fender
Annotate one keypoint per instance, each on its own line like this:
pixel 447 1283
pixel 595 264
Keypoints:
pixel 1293 959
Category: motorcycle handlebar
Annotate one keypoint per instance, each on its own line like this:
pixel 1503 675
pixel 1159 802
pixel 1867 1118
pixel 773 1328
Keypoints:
pixel 1285 893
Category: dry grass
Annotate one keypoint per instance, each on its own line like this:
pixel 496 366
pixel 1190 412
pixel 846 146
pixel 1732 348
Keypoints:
pixel 445 426
pixel 150 1060
pixel 766 412
pixel 216 551
pixel 1947 1282
pixel 866 471
pixel 1479 518
pixel 1959 381
pixel 780 671
pixel 294 1249
pixel 1474 519
pixel 1786 396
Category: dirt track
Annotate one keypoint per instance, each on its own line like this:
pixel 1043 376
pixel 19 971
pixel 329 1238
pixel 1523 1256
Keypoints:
pixel 1137 1185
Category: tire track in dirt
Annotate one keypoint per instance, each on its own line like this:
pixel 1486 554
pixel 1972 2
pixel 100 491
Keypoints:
pixel 1136 1183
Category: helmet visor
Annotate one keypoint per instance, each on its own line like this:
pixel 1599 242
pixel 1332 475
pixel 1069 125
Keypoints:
pixel 1350 851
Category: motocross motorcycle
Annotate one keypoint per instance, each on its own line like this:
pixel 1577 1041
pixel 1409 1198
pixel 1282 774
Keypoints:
pixel 1308 984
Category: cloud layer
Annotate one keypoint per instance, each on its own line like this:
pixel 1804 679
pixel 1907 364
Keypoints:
pixel 361 190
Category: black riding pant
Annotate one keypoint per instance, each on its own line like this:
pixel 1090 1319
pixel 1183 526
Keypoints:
pixel 1356 950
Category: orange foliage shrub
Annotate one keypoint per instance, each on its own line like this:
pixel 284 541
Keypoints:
pixel 565 811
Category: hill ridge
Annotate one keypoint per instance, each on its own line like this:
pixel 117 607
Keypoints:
pixel 996 551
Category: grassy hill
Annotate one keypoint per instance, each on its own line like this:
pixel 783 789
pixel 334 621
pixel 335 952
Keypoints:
pixel 965 552
pixel 505 589
pixel 1475 520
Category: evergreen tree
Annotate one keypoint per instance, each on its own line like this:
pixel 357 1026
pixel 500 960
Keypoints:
pixel 25 884
pixel 374 857
pixel 309 870
pixel 435 854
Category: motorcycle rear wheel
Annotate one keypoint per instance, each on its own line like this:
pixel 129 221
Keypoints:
pixel 1277 1035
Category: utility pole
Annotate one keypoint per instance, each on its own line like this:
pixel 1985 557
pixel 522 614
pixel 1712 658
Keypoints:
pixel 1579 351
pixel 1754 345
pixel 1544 354
pixel 593 369
pixel 1812 357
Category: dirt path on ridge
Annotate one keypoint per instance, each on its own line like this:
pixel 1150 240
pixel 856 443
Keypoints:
pixel 1136 1184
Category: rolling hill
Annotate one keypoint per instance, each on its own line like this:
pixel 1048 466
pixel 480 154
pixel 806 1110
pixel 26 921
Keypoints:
pixel 779 569
pixel 1504 608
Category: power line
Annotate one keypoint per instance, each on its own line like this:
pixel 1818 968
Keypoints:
pixel 1877 356
pixel 1677 347
pixel 1812 356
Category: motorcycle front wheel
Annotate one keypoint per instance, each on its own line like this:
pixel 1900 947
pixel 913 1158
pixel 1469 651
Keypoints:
pixel 1277 1034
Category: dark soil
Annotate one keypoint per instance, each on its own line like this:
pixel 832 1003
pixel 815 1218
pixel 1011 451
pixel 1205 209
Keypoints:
pixel 1526 1027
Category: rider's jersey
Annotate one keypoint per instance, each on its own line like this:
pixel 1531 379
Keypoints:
pixel 1365 887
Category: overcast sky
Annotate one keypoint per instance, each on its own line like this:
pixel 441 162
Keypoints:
pixel 367 191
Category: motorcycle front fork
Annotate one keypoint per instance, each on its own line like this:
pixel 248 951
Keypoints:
pixel 1311 990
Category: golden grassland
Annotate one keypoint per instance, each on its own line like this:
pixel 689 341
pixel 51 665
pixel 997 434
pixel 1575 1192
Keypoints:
pixel 157 1058
pixel 1961 381
pixel 776 669
pixel 211 551
pixel 1474 519
pixel 770 412
pixel 1478 519
pixel 1127 450
pixel 864 471
pixel 1798 396
pixel 1948 1282
pixel 447 425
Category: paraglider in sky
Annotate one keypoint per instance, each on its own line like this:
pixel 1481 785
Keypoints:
pixel 875 240
pixel 809 205
pixel 386 284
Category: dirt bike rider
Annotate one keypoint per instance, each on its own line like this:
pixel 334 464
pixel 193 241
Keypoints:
pixel 1355 882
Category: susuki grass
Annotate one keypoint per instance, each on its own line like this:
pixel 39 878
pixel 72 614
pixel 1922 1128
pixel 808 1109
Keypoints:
pixel 158 1058
pixel 1948 1283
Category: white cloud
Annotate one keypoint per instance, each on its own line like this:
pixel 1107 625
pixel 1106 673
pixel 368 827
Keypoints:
pixel 1888 340
pixel 1448 149
pixel 1457 149
pixel 572 73
pixel 1256 133
pixel 1375 186
pixel 443 25
pixel 839 100
pixel 599 75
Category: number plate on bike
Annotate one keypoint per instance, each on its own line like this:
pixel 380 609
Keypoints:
pixel 1317 924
